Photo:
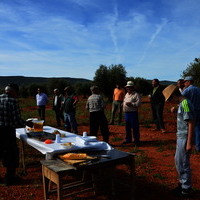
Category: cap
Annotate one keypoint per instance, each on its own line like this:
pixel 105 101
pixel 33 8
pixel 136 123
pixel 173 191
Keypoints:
pixel 188 78
pixel 12 86
pixel 130 84
pixel 169 90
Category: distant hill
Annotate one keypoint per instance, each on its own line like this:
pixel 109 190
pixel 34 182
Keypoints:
pixel 25 81
pixel 22 80
pixel 167 82
pixel 164 82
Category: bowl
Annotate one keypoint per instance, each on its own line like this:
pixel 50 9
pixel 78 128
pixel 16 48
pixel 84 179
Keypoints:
pixel 67 145
pixel 90 139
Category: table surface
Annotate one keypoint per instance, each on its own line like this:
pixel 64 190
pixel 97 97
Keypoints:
pixel 114 157
pixel 50 149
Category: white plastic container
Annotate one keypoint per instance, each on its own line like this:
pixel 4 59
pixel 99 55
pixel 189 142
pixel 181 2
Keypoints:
pixel 57 138
pixel 84 134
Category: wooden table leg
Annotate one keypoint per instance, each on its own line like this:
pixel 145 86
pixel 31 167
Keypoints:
pixel 45 184
pixel 22 158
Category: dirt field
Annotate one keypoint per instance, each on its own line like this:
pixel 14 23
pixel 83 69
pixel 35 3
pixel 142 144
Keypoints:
pixel 155 171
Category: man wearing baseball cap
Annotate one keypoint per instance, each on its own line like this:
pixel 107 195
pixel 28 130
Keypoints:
pixel 192 93
pixel 185 135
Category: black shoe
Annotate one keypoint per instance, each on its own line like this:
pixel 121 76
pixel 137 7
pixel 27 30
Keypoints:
pixel 178 191
pixel 186 192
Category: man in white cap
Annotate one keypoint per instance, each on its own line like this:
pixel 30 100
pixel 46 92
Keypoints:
pixel 130 108
pixel 185 135
pixel 192 93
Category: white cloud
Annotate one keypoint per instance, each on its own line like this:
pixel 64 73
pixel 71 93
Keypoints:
pixel 94 32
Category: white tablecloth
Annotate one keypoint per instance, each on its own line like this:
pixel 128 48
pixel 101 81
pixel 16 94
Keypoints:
pixel 50 149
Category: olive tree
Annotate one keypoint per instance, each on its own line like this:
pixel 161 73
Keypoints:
pixel 193 69
pixel 106 78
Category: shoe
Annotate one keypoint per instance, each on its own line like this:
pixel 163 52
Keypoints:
pixel 178 191
pixel 163 131
pixel 186 192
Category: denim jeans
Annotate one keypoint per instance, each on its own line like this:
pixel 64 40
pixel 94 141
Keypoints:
pixel 70 122
pixel 132 122
pixel 182 161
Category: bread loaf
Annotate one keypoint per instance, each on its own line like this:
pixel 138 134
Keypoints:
pixel 74 156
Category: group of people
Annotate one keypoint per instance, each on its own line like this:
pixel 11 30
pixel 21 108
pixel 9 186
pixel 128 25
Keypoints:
pixel 184 94
pixel 63 105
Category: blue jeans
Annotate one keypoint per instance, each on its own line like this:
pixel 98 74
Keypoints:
pixel 132 122
pixel 70 122
pixel 197 130
pixel 182 161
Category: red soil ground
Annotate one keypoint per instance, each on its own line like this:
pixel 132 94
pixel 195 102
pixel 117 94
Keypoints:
pixel 155 171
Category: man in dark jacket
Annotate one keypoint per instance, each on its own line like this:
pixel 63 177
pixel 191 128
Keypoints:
pixel 69 108
pixel 157 105
pixel 57 106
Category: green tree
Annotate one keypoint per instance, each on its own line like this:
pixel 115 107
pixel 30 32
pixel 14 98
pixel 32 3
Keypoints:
pixel 142 85
pixel 101 79
pixel 24 91
pixel 33 89
pixel 106 78
pixel 83 89
pixel 193 69
pixel 57 83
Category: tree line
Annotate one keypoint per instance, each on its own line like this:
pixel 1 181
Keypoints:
pixel 106 78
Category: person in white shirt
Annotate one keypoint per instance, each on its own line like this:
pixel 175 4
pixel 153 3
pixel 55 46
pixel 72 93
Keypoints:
pixel 130 108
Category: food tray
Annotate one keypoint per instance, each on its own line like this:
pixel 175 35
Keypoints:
pixel 41 136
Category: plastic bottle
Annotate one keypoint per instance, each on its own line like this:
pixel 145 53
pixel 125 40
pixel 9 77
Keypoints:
pixel 57 138
pixel 84 134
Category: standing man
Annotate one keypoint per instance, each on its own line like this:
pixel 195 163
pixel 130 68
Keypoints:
pixel 157 105
pixel 130 108
pixel 192 93
pixel 69 108
pixel 10 118
pixel 57 106
pixel 95 105
pixel 41 100
pixel 118 97
pixel 185 136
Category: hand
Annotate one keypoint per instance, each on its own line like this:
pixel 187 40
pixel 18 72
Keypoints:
pixel 129 104
pixel 188 146
pixel 172 109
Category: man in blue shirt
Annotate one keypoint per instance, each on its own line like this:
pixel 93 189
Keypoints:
pixel 192 93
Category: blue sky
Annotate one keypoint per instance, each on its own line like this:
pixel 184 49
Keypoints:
pixel 72 38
